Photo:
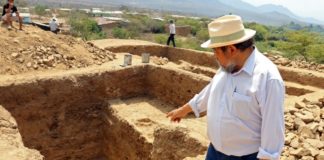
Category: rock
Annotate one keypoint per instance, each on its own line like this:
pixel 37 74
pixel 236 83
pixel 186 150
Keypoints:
pixel 295 143
pixel 101 56
pixel 289 138
pixel 70 57
pixel 40 61
pixel 321 99
pixel 305 100
pixel 290 157
pixel 300 152
pixel 29 64
pixel 315 143
pixel 51 58
pixel 289 125
pixel 314 127
pixel 291 110
pixel 313 152
pixel 15 55
pixel 16 41
pixel 320 156
pixel 58 56
pixel 299 106
pixel 321 127
pixel 316 111
pixel 20 60
pixel 35 66
pixel 305 116
pixel 110 57
pixel 299 123
pixel 306 132
pixel 38 53
pixel 283 61
pixel 307 158
pixel 114 55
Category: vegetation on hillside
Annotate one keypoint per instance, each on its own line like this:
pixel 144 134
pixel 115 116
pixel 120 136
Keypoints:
pixel 84 26
pixel 304 43
pixel 293 41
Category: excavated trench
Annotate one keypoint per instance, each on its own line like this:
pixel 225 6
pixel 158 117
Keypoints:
pixel 88 113
pixel 69 116
pixel 203 63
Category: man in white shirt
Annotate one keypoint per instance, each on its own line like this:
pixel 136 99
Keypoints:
pixel 244 100
pixel 172 29
pixel 53 26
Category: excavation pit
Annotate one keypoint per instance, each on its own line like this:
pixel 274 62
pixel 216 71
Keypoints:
pixel 98 114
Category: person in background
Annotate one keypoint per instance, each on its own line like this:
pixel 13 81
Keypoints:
pixel 54 25
pixel 10 13
pixel 172 29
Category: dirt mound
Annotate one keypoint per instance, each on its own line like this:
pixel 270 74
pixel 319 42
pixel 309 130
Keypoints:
pixel 35 49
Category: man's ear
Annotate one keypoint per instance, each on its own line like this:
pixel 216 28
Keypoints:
pixel 231 49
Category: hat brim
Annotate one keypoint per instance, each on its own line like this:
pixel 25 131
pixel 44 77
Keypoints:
pixel 249 33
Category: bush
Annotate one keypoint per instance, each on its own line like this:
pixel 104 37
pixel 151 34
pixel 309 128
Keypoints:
pixel 203 35
pixel 157 26
pixel 85 27
pixel 315 53
pixel 161 38
pixel 40 10
pixel 261 31
pixel 120 33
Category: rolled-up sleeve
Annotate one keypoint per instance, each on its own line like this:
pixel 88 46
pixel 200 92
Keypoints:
pixel 199 102
pixel 273 128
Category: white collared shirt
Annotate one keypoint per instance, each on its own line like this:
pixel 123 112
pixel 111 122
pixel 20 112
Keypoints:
pixel 245 110
pixel 172 28
pixel 53 25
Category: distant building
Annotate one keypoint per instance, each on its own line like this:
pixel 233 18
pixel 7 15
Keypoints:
pixel 48 10
pixel 68 10
pixel 108 23
pixel 178 16
pixel 85 10
pixel 117 19
pixel 97 12
pixel 159 19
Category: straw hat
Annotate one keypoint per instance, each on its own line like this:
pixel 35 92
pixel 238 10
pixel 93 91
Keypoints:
pixel 227 30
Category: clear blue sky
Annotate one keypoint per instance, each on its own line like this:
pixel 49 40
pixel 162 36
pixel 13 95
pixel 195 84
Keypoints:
pixel 303 8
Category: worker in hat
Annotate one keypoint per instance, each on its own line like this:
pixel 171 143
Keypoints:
pixel 244 100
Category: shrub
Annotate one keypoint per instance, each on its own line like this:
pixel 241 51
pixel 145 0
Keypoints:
pixel 120 33
pixel 84 27
pixel 161 38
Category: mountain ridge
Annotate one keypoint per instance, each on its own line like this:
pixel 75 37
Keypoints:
pixel 210 8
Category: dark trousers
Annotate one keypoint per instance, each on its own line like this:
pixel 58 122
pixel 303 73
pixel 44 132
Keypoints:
pixel 171 38
pixel 56 31
pixel 213 154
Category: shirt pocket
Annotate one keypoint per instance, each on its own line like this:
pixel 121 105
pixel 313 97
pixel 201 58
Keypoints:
pixel 241 106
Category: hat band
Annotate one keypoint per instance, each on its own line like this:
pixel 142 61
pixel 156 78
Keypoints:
pixel 227 38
